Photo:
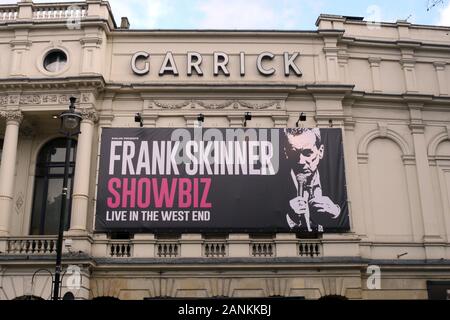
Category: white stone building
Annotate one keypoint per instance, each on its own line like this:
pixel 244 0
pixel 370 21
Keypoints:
pixel 387 86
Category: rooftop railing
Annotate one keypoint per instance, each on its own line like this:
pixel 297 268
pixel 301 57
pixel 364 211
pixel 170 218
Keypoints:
pixel 41 12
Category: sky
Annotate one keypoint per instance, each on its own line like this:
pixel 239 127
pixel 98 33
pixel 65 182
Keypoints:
pixel 268 14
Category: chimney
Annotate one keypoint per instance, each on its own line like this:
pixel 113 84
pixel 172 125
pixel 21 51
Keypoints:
pixel 124 23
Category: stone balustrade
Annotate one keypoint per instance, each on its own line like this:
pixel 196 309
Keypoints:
pixel 24 11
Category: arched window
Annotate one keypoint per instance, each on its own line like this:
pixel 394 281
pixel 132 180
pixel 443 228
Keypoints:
pixel 48 187
pixel 332 297
pixel 28 297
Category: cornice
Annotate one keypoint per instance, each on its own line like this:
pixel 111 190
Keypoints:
pixel 329 91
pixel 92 82
pixel 331 32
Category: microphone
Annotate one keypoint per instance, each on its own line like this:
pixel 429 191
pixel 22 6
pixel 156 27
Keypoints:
pixel 301 179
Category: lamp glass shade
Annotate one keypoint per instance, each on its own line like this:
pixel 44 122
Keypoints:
pixel 70 123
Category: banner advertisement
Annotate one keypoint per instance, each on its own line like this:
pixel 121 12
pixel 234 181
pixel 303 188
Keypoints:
pixel 221 180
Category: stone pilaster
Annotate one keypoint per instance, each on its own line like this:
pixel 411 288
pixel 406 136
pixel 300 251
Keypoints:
pixel 8 167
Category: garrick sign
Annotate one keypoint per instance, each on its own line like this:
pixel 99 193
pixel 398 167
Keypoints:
pixel 264 63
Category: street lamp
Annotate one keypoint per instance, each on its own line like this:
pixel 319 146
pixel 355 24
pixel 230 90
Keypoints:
pixel 70 126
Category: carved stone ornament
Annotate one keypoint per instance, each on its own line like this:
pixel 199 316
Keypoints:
pixel 64 98
pixel 12 115
pixel 14 99
pixel 30 99
pixel 3 100
pixel 89 114
pixel 85 97
pixel 50 99
pixel 34 99
pixel 236 104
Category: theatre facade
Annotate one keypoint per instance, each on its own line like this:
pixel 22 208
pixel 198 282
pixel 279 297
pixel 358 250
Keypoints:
pixel 376 99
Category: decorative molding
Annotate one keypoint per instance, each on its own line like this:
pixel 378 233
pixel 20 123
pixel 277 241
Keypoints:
pixel 37 99
pixel 389 134
pixel 86 97
pixel 440 65
pixel 363 158
pixel 436 141
pixel 64 98
pixel 280 121
pixel 19 202
pixel 106 287
pixel 235 121
pixel 92 83
pixel 105 120
pixel 219 287
pixel 3 100
pixel 12 115
pixel 157 104
pixel 150 120
pixel 276 287
pixel 13 99
pixel 408 62
pixel 374 61
pixel 349 124
pixel 382 129
pixel 417 127
pixel 89 114
pixel 91 41
pixel 235 104
pixel 409 160
pixel 30 99
pixel 23 44
pixel 50 99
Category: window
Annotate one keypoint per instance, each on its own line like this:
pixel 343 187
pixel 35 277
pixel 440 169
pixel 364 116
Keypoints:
pixel 48 188
pixel 55 61
pixel 438 290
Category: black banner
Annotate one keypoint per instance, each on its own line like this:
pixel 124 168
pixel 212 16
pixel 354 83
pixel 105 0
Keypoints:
pixel 221 180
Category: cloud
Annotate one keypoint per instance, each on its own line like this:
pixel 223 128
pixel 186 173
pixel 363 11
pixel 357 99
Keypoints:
pixel 444 16
pixel 214 14
pixel 141 13
pixel 249 14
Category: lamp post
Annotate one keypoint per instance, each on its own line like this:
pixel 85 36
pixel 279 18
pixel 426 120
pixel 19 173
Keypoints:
pixel 70 126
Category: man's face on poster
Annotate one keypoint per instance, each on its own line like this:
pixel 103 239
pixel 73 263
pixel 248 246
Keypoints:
pixel 303 153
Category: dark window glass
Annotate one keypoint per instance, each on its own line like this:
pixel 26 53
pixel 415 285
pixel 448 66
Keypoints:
pixel 48 188
pixel 55 61
pixel 438 290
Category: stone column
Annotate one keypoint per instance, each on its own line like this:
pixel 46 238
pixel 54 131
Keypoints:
pixel 8 167
pixel 280 121
pixel 91 44
pixel 191 121
pixel 355 194
pixel 441 77
pixel 408 63
pixel 236 121
pixel 80 195
pixel 376 75
pixel 331 56
pixel 430 222
pixel 149 120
